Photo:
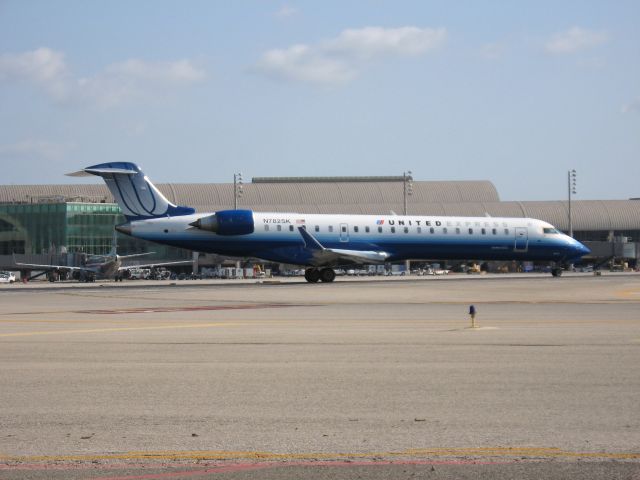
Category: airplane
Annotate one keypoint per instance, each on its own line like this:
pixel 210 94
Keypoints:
pixel 323 242
pixel 109 268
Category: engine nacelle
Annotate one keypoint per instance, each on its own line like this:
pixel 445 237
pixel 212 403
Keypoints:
pixel 227 222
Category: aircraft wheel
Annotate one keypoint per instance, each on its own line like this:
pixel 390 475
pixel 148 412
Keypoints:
pixel 312 275
pixel 327 275
pixel 556 272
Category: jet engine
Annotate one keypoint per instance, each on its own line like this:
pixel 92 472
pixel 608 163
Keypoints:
pixel 227 222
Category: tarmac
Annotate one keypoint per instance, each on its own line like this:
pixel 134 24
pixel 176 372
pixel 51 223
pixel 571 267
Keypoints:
pixel 361 378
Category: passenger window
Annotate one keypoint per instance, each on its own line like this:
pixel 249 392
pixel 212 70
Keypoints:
pixel 483 231
pixel 344 229
pixel 330 228
pixel 471 231
pixel 444 230
pixel 494 231
pixel 393 229
pixel 266 228
pixel 317 229
pixel 366 229
pixel 379 229
pixel 291 228
pixel 406 229
pixel 432 230
pixel 279 228
pixel 419 229
pixel 355 229
pixel 506 231
pixel 457 231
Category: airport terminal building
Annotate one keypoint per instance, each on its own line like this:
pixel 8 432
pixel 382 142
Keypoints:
pixel 52 220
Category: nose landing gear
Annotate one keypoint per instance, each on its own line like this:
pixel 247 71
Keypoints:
pixel 556 271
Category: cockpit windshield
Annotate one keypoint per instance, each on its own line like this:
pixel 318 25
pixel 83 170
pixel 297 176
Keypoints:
pixel 550 231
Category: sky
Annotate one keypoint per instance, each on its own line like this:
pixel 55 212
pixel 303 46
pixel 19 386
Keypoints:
pixel 517 93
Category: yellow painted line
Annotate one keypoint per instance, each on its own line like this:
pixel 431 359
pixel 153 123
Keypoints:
pixel 532 452
pixel 629 293
pixel 115 329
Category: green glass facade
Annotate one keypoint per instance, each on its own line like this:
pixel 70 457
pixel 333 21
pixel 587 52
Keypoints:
pixel 37 228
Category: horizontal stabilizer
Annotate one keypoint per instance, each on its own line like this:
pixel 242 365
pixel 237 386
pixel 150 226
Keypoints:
pixel 87 172
pixel 79 173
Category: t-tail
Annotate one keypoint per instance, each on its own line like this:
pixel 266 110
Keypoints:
pixel 137 197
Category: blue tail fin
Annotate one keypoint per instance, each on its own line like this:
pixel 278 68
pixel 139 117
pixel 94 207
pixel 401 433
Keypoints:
pixel 135 194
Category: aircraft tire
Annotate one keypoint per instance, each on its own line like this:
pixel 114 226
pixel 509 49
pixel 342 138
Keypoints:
pixel 556 272
pixel 327 275
pixel 312 275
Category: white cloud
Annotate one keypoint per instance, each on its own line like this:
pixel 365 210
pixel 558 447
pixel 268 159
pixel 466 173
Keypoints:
pixel 574 40
pixel 301 62
pixel 286 12
pixel 370 42
pixel 35 148
pixel 632 107
pixel 181 71
pixel 492 51
pixel 43 67
pixel 340 59
pixel 114 85
pixel 132 79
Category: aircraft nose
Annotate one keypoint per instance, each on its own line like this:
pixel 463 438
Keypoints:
pixel 579 249
pixel 584 250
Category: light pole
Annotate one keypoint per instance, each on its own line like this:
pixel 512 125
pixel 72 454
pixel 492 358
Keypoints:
pixel 237 189
pixel 407 188
pixel 571 190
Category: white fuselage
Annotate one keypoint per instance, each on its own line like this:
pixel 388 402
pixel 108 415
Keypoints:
pixel 276 237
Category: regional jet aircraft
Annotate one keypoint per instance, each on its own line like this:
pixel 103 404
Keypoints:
pixel 323 242
pixel 99 266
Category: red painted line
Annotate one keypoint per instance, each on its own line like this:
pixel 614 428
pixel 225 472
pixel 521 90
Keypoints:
pixel 185 309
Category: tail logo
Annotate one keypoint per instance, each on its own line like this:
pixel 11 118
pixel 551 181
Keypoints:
pixel 137 196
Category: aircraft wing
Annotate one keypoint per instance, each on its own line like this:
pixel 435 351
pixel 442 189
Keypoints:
pixel 153 265
pixel 337 256
pixel 54 267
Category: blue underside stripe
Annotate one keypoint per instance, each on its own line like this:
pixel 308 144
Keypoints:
pixel 287 249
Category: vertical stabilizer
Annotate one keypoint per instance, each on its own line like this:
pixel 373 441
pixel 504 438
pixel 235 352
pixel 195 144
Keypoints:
pixel 135 194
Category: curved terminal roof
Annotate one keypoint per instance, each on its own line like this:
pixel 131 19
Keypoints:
pixel 468 198
pixel 207 196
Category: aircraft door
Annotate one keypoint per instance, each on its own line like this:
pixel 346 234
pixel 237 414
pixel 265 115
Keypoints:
pixel 522 239
pixel 344 232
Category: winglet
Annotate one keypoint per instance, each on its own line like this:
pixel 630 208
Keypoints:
pixel 309 241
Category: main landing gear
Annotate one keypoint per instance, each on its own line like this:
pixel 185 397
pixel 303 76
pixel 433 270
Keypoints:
pixel 325 275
